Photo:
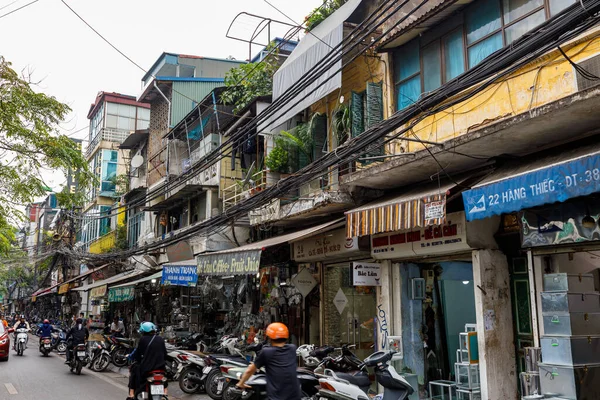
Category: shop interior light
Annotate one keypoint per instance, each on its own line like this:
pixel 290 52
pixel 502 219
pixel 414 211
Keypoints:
pixel 588 222
pixel 465 282
pixel 153 281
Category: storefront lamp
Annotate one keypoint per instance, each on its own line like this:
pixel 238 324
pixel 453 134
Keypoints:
pixel 588 222
pixel 153 281
pixel 465 282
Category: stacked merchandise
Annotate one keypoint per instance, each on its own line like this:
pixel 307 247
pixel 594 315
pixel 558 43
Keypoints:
pixel 571 341
pixel 466 385
pixel 530 379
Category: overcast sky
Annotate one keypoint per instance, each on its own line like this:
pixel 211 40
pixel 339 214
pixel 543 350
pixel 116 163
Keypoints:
pixel 74 64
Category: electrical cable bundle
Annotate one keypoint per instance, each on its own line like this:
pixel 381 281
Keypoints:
pixel 563 27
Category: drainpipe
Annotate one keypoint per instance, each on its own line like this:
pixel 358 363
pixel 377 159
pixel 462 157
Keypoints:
pixel 168 124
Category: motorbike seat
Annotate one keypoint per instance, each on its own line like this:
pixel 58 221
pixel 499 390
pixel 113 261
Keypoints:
pixel 124 340
pixel 357 378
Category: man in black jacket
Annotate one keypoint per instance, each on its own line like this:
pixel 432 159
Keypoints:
pixel 149 356
pixel 79 334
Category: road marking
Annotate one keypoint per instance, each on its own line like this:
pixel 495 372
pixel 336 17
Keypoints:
pixel 11 389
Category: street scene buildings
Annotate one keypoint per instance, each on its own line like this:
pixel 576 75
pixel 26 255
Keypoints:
pixel 417 177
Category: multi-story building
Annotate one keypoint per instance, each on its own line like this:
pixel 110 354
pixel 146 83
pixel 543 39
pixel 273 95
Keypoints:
pixel 113 117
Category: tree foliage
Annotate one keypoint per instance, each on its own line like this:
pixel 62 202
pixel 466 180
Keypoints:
pixel 249 81
pixel 29 145
pixel 321 13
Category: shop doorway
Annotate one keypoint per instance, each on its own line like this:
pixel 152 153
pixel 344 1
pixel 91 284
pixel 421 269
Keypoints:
pixel 349 311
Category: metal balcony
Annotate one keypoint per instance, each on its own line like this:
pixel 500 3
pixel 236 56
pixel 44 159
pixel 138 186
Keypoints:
pixel 106 134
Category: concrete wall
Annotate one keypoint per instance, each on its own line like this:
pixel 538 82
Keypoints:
pixel 412 321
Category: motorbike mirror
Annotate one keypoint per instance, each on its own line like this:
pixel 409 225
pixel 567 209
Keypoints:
pixel 10 330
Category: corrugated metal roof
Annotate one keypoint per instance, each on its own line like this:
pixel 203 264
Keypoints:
pixel 186 95
pixel 428 16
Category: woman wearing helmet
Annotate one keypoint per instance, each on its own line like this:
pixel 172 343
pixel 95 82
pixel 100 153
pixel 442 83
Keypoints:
pixel 149 356
pixel 279 361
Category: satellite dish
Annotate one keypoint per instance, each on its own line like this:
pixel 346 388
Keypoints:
pixel 137 161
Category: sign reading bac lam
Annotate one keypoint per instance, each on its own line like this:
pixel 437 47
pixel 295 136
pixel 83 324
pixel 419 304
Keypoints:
pixel 366 274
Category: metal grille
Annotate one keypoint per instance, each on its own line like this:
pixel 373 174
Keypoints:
pixel 591 65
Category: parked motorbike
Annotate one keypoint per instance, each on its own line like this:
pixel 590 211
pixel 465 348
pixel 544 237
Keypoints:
pixel 176 361
pixel 21 340
pixel 79 359
pixel 231 374
pixel 59 340
pixel 100 356
pixel 258 387
pixel 154 388
pixel 336 386
pixel 45 346
pixel 120 350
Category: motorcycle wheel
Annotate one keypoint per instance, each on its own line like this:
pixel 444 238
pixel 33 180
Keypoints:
pixel 78 368
pixel 212 382
pixel 185 384
pixel 20 349
pixel 226 393
pixel 119 357
pixel 100 363
pixel 61 347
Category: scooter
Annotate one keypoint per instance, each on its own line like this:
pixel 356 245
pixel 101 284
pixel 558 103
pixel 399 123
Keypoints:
pixel 45 346
pixel 59 340
pixel 100 357
pixel 336 386
pixel 154 388
pixel 21 340
pixel 79 359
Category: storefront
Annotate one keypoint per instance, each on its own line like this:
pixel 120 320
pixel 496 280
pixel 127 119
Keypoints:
pixel 337 309
pixel 550 211
pixel 245 289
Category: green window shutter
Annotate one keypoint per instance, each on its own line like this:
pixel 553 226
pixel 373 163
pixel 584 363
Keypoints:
pixel 357 111
pixel 374 111
pixel 319 136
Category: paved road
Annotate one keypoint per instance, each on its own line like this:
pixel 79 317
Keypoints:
pixel 33 377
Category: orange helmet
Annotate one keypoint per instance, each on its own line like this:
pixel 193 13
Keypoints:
pixel 277 330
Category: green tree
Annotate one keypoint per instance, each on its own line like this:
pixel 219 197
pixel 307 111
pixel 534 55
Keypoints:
pixel 321 13
pixel 249 81
pixel 30 144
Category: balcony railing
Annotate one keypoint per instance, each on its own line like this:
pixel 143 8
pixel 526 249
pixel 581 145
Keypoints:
pixel 238 192
pixel 108 134
pixel 104 243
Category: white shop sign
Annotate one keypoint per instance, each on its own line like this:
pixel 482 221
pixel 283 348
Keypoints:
pixel 266 213
pixel 208 177
pixel 448 238
pixel 304 282
pixel 366 274
pixel 325 246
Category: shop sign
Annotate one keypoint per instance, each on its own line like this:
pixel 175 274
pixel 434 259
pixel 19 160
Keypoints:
pixel 99 291
pixel 180 275
pixel 304 282
pixel 328 245
pixel 450 237
pixel 366 274
pixel 234 263
pixel 117 295
pixel 559 182
pixel 435 210
pixel 266 213
pixel 340 301
pixel 209 177
pixel 62 289
pixel 33 299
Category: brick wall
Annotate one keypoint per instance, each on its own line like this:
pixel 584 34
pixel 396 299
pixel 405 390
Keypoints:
pixel 159 125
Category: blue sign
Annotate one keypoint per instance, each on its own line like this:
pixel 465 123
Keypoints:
pixel 180 275
pixel 559 182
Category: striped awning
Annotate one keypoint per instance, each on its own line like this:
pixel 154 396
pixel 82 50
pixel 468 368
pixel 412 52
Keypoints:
pixel 398 213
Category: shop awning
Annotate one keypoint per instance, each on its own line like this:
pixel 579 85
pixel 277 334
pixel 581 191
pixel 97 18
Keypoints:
pixel 43 292
pixel 245 260
pixel 311 50
pixel 114 279
pixel 422 206
pixel 526 184
pixel 142 280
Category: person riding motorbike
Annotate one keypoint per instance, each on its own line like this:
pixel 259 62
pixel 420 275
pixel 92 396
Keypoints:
pixel 79 335
pixel 21 323
pixel 280 363
pixel 4 322
pixel 45 330
pixel 149 356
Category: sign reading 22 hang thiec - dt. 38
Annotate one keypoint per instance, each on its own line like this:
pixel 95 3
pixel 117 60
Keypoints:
pixel 559 182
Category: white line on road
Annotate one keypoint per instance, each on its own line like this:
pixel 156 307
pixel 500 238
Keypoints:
pixel 11 389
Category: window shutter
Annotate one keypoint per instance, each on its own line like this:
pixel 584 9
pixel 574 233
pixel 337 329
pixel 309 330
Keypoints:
pixel 319 136
pixel 374 111
pixel 357 111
